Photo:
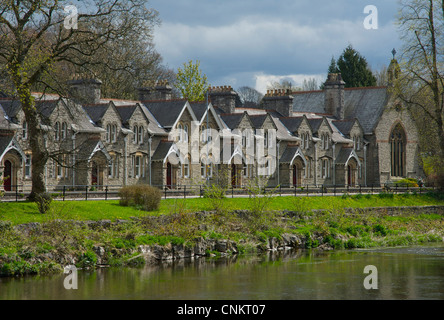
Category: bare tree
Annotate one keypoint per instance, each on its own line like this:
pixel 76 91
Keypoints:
pixel 421 82
pixel 37 35
pixel 249 95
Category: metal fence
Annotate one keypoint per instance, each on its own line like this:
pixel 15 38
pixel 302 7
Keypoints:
pixel 111 192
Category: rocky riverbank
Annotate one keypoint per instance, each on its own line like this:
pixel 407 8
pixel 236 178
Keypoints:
pixel 48 247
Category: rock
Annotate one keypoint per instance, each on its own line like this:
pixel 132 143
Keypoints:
pixel 163 252
pixel 221 245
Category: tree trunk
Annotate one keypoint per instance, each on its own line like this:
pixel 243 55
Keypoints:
pixel 37 143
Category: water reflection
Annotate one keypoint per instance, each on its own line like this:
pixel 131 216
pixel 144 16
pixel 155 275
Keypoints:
pixel 404 273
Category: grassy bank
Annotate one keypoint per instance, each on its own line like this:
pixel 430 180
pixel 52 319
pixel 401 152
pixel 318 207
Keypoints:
pixel 25 212
pixel 53 243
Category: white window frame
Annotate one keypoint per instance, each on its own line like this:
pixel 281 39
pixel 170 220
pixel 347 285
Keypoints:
pixel 57 131
pixel 28 166
pixel 25 130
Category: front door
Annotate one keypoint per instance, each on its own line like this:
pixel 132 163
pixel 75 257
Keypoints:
pixel 94 174
pixel 295 175
pixel 169 175
pixel 233 176
pixel 7 175
pixel 351 177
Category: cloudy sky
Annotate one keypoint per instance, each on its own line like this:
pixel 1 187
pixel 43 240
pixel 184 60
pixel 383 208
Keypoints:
pixel 253 42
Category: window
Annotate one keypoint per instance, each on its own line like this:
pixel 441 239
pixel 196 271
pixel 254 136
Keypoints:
pixel 325 168
pixel 114 133
pixel 140 136
pixel 108 133
pixel 64 131
pixel 137 167
pixel 136 133
pixel 28 163
pixel 325 138
pixel 398 143
pixel 203 169
pixel 266 139
pixel 307 137
pixel 186 168
pixel 25 130
pixel 245 169
pixel 57 131
pixel 113 167
pixel 185 137
pixel 180 129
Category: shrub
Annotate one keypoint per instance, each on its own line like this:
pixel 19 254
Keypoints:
pixel 407 182
pixel 144 196
pixel 43 202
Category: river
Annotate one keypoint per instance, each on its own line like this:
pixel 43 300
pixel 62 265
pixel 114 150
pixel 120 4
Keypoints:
pixel 402 273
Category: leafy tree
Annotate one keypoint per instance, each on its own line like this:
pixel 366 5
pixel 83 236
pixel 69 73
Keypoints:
pixel 191 82
pixel 354 69
pixel 421 82
pixel 36 40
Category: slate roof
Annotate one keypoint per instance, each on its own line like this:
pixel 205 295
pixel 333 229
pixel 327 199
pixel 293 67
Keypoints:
pixel 199 109
pixel 315 123
pixel 4 143
pixel 232 120
pixel 96 112
pixel 343 155
pixel 288 154
pixel 258 120
pixel 344 126
pixel 365 104
pixel 162 151
pixel 126 112
pixel 11 109
pixel 292 123
pixel 166 112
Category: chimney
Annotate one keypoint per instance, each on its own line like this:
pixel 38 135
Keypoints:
pixel 223 97
pixel 155 90
pixel 279 100
pixel 85 90
pixel 334 95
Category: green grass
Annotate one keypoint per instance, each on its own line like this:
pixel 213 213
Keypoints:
pixel 25 212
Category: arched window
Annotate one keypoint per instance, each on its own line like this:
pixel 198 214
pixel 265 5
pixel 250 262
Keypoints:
pixel 180 132
pixel 136 134
pixel 57 131
pixel 185 132
pixel 25 130
pixel 398 143
pixel 114 133
pixel 108 133
pixel 64 130
pixel 140 135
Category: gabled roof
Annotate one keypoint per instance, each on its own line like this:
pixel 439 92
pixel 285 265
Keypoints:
pixel 232 120
pixel 8 143
pixel 11 108
pixel 290 154
pixel 366 104
pixel 96 112
pixel 345 154
pixel 344 126
pixel 258 120
pixel 167 112
pixel 126 112
pixel 292 123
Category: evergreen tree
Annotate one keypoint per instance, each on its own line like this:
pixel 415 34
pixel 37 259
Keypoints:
pixel 354 69
pixel 333 68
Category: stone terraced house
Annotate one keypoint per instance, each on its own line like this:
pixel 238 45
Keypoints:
pixel 335 136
